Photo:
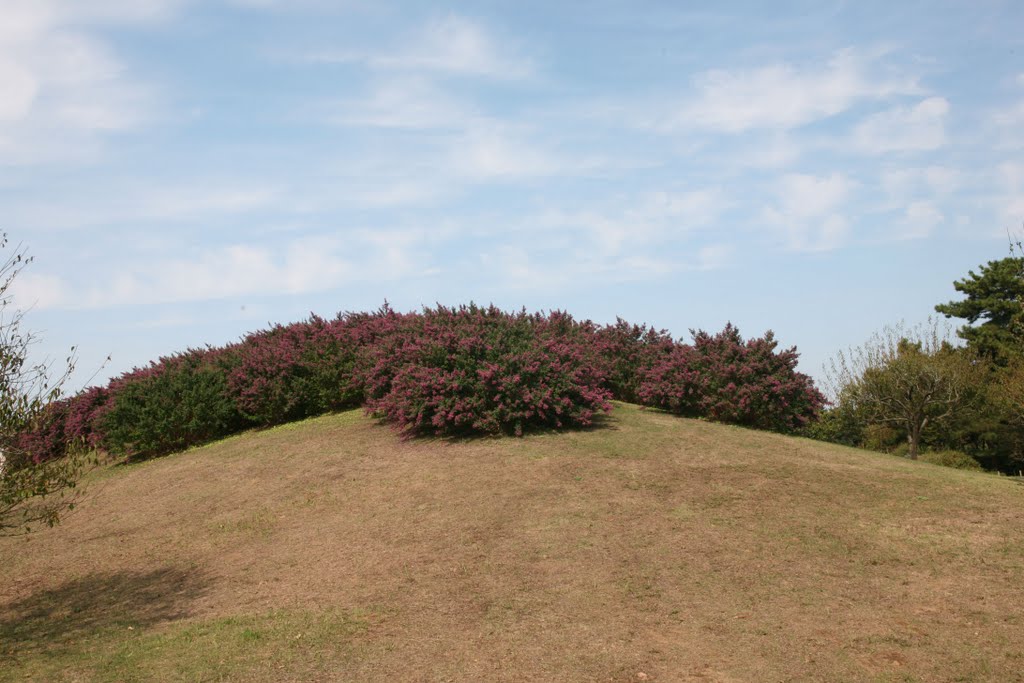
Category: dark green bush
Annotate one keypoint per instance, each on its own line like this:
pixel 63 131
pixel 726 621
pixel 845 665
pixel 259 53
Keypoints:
pixel 956 459
pixel 836 425
pixel 177 402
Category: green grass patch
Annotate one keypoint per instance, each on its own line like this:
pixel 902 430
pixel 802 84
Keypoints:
pixel 300 644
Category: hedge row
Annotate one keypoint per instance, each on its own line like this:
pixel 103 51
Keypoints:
pixel 442 371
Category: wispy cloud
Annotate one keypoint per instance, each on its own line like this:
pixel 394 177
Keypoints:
pixel 1008 120
pixel 63 87
pixel 808 213
pixel 904 129
pixel 37 291
pixel 490 153
pixel 147 203
pixel 901 187
pixel 117 11
pixel 1008 201
pixel 453 45
pixel 783 96
pixel 640 222
pixel 410 102
pixel 302 266
pixel 920 220
pixel 519 268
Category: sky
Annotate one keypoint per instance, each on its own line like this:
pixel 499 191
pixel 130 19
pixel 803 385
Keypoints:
pixel 187 171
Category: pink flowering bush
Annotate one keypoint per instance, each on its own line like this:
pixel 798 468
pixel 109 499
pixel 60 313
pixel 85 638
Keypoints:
pixel 627 352
pixel 84 411
pixel 64 423
pixel 291 372
pixel 443 371
pixel 45 440
pixel 470 369
pixel 726 379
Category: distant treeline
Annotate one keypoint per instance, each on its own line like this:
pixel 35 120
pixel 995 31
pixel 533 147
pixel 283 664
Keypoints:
pixel 914 392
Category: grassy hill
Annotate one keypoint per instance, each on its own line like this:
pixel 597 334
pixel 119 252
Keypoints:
pixel 652 548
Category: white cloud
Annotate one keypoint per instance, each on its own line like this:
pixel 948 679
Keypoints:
pixel 806 196
pixel 1008 123
pixel 904 129
pixel 626 239
pixel 532 268
pixel 378 193
pixel 781 96
pixel 942 179
pixel 684 210
pixel 1009 199
pixel 1012 115
pixel 713 257
pixel 61 87
pixel 920 220
pixel 300 5
pixel 489 153
pixel 807 212
pixel 409 102
pixel 19 90
pixel 301 266
pixel 775 150
pixel 36 290
pixel 648 220
pixel 906 185
pixel 139 203
pixel 117 11
pixel 452 45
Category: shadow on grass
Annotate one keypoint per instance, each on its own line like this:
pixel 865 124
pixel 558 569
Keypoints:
pixel 63 617
pixel 598 423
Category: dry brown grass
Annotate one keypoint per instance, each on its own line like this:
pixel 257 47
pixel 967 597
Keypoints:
pixel 654 548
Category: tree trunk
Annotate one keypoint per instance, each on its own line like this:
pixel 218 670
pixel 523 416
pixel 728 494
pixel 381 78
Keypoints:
pixel 913 439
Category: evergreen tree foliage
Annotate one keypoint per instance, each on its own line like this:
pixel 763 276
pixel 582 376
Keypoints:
pixel 995 297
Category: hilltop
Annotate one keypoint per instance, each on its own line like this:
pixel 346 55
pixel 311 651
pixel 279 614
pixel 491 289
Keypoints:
pixel 649 547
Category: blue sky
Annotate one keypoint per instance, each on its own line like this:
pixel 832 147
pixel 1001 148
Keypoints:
pixel 187 171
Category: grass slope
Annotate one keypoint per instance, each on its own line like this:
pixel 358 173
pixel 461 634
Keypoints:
pixel 653 548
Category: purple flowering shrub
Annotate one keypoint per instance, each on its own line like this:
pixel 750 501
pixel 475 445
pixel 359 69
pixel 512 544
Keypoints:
pixel 64 423
pixel 84 412
pixel 45 439
pixel 443 371
pixel 627 352
pixel 291 372
pixel 671 383
pixel 726 379
pixel 450 371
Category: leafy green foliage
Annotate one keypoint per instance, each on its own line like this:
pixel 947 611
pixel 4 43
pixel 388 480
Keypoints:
pixel 994 296
pixel 177 402
pixel 31 493
pixel 949 458
pixel 910 380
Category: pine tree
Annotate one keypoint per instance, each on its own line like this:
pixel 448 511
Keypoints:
pixel 995 296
